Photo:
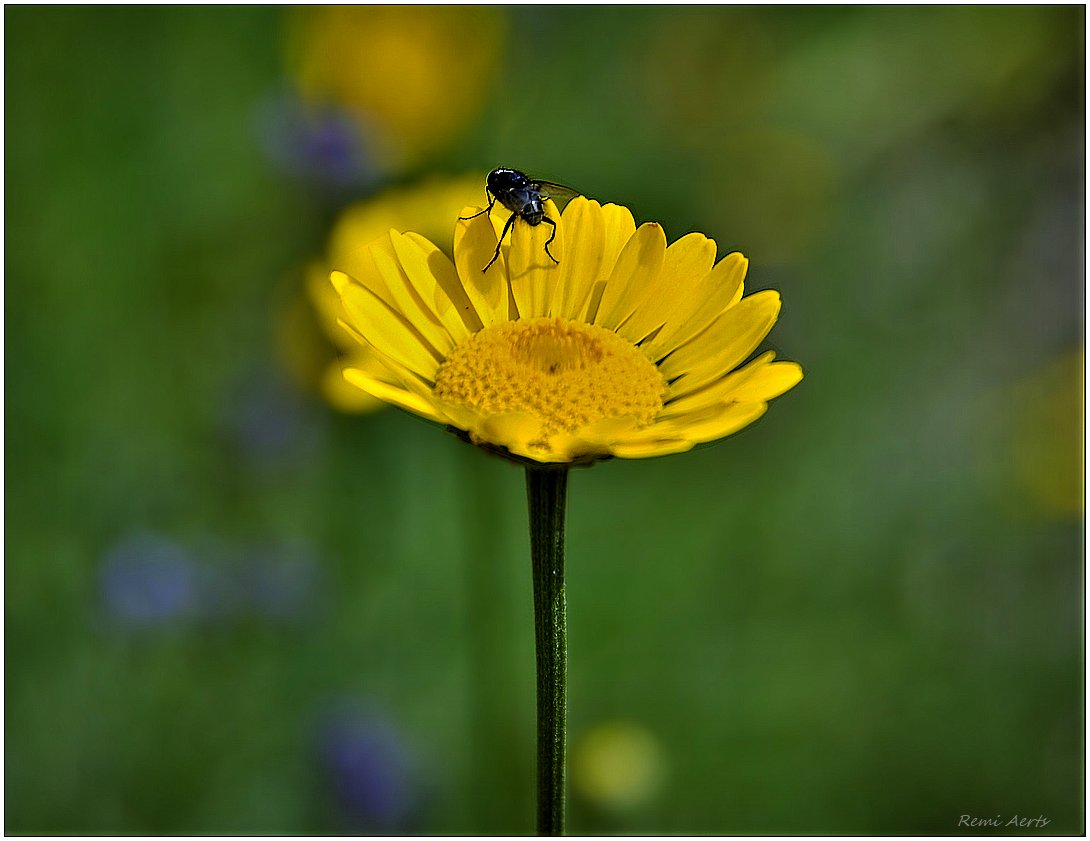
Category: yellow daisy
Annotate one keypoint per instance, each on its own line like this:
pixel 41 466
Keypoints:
pixel 624 347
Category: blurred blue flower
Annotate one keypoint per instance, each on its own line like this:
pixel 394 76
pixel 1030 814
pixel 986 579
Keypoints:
pixel 318 144
pixel 147 579
pixel 372 772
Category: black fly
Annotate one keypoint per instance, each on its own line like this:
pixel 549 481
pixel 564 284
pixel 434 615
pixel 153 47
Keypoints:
pixel 524 197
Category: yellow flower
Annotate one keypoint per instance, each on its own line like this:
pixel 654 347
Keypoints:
pixel 626 347
pixel 1041 426
pixel 618 766
pixel 391 67
pixel 428 206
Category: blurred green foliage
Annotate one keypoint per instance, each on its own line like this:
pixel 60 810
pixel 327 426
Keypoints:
pixel 855 616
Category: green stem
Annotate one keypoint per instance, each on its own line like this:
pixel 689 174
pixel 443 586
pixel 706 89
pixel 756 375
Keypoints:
pixel 546 490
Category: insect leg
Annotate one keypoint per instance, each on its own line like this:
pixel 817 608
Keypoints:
pixel 491 201
pixel 506 228
pixel 550 239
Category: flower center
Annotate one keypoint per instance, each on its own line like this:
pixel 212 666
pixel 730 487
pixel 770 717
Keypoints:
pixel 567 373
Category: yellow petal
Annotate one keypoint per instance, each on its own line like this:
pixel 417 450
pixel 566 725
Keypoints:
pixel 379 365
pixel 699 305
pixel 532 273
pixel 617 229
pixel 633 276
pixel 704 424
pixel 609 429
pixel 363 356
pixel 673 427
pixel 596 439
pixel 650 449
pixel 513 430
pixel 771 381
pixel 758 382
pixel 364 272
pixel 384 328
pixel 393 394
pixel 567 447
pixel 474 245
pixel 681 400
pixel 584 229
pixel 343 396
pixel 409 300
pixel 733 417
pixel 435 278
pixel 684 272
pixel 731 338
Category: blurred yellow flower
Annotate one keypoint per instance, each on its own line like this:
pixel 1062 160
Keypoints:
pixel 626 347
pixel 617 766
pixel 1046 436
pixel 317 361
pixel 415 76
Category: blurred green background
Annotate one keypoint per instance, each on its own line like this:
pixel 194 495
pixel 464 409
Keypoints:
pixel 231 608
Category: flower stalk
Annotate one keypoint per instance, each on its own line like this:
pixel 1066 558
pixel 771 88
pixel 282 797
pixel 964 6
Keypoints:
pixel 546 491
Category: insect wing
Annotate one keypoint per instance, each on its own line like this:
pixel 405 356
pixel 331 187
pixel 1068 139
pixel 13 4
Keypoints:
pixel 557 192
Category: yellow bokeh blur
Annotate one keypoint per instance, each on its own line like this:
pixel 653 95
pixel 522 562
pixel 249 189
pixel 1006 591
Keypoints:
pixel 414 76
pixel 1047 437
pixel 617 766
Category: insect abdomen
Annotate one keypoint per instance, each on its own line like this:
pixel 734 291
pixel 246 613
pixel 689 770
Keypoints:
pixel 533 212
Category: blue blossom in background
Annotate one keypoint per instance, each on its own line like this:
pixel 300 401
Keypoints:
pixel 372 772
pixel 320 145
pixel 147 579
